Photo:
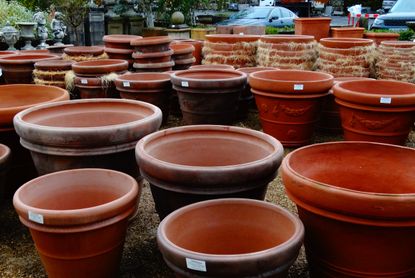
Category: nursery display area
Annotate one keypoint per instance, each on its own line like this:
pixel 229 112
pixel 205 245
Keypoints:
pixel 237 156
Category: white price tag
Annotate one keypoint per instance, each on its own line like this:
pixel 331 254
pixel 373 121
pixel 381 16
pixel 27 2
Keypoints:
pixel 185 84
pixel 38 218
pixel 1 72
pixel 298 87
pixel 84 81
pixel 386 100
pixel 196 265
pixel 126 84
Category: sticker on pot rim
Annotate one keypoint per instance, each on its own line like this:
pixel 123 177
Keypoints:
pixel 386 100
pixel 196 265
pixel 126 84
pixel 298 87
pixel 35 217
pixel 84 81
pixel 185 84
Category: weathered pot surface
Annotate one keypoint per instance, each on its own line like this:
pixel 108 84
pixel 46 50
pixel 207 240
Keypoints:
pixel 345 202
pixel 218 168
pixel 78 219
pixel 54 65
pixel 99 67
pixel 84 50
pixel 345 42
pixel 143 81
pixel 221 240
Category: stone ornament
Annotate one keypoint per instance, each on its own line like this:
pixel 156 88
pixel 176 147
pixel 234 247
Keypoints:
pixel 41 30
pixel 9 35
pixel 58 28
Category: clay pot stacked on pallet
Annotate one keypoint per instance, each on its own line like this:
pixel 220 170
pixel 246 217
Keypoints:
pixel 95 79
pixel 84 53
pixel 198 45
pixel 119 47
pixel 287 52
pixel 236 50
pixel 346 57
pixel 52 72
pixel 152 54
pixel 396 61
pixel 182 56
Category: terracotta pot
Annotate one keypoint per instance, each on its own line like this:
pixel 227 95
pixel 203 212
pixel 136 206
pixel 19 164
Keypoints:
pixel 74 134
pixel 284 39
pixel 380 37
pixel 344 43
pixel 183 64
pixel 122 54
pixel 17 69
pixel 51 70
pixel 152 44
pixel 374 110
pixel 355 213
pixel 153 67
pixel 84 50
pixel 4 53
pixel 4 165
pixel 95 87
pixel 182 48
pixel 289 102
pixel 347 32
pixel 231 38
pixel 58 49
pixel 229 162
pixel 33 51
pixel 119 41
pixel 208 96
pixel 78 219
pixel 99 67
pixel 154 57
pixel 319 27
pixel 223 240
pixel 198 45
pixel 220 67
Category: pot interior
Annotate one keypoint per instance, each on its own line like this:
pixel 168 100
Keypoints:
pixel 23 95
pixel 229 228
pixel 208 148
pixel 379 87
pixel 364 167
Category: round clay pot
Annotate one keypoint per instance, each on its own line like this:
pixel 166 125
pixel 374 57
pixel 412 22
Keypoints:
pixel 289 102
pixel 152 44
pixel 17 69
pixel 378 38
pixel 220 67
pixel 74 134
pixel 182 48
pixel 119 41
pixel 153 67
pixel 356 206
pixel 95 87
pixel 84 50
pixel 99 67
pixel 283 39
pixel 153 57
pixel 231 38
pixel 198 45
pixel 375 110
pixel 78 219
pixel 52 70
pixel 345 42
pixel 4 165
pixel 398 44
pixel 119 53
pixel 224 241
pixel 208 96
pixel 183 64
pixel 193 163
pixel 58 49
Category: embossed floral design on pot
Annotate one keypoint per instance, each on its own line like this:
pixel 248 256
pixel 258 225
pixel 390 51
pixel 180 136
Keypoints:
pixel 86 133
pixel 355 200
pixel 193 163
pixel 78 219
pixel 376 110
pixel 218 238
pixel 289 102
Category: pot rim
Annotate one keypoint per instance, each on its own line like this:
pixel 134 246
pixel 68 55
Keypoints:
pixel 120 38
pixel 213 66
pixel 4 154
pixel 276 39
pixel 27 58
pixel 151 41
pixel 152 55
pixel 313 19
pixel 134 77
pixel 98 66
pixel 57 65
pixel 345 43
pixel 249 70
pixel 84 50
pixel 232 38
pixel 182 48
pixel 120 51
pixel 297 236
pixel 179 77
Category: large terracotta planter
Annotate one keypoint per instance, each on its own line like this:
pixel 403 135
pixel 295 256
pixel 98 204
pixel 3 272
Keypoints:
pixel 319 27
pixel 380 37
pixel 208 96
pixel 119 41
pixel 230 238
pixel 95 87
pixel 193 163
pixel 152 44
pixel 17 69
pixel 347 32
pixel 4 165
pixel 99 67
pixel 289 102
pixel 84 53
pixel 86 133
pixel 356 206
pixel 78 219
pixel 376 110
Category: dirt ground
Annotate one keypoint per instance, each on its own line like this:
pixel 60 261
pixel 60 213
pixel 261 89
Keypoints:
pixel 141 258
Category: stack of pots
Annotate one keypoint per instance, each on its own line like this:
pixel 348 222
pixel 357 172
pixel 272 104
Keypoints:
pixel 235 50
pixel 198 45
pixel 119 47
pixel 208 96
pixel 154 88
pixel 346 57
pixel 84 53
pixel 182 55
pixel 95 79
pixel 289 102
pixel 152 54
pixel 287 52
pixel 396 61
pixel 52 72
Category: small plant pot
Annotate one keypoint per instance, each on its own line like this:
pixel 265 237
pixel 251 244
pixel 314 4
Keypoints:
pixel 74 134
pixel 218 238
pixel 356 206
pixel 99 67
pixel 376 110
pixel 4 165
pixel 319 27
pixel 229 162
pixel 78 219
pixel 152 44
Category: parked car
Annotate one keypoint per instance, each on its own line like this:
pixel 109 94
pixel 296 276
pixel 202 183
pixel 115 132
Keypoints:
pixel 268 16
pixel 402 12
pixel 388 4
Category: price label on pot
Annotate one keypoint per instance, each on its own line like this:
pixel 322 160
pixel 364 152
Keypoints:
pixel 386 100
pixel 35 217
pixel 84 81
pixel 298 87
pixel 1 72
pixel 196 265
pixel 185 84
pixel 126 84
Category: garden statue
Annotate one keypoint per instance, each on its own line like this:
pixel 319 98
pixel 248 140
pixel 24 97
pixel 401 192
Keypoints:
pixel 9 35
pixel 41 30
pixel 58 28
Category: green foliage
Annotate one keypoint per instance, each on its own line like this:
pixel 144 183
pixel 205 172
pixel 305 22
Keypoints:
pixel 74 11
pixel 406 35
pixel 34 4
pixel 269 30
pixel 13 12
pixel 168 7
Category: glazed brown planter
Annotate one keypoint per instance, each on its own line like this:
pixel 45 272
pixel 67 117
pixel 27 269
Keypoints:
pixel 356 213
pixel 208 96
pixel 74 134
pixel 152 44
pixel 78 219
pixel 347 32
pixel 119 41
pixel 221 240
pixel 289 103
pixel 4 165
pixel 229 162
pixel 319 27
pixel 17 69
pixel 95 87
pixel 376 110
pixel 99 67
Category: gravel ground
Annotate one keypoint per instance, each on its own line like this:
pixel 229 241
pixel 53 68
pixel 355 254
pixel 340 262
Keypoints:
pixel 141 258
